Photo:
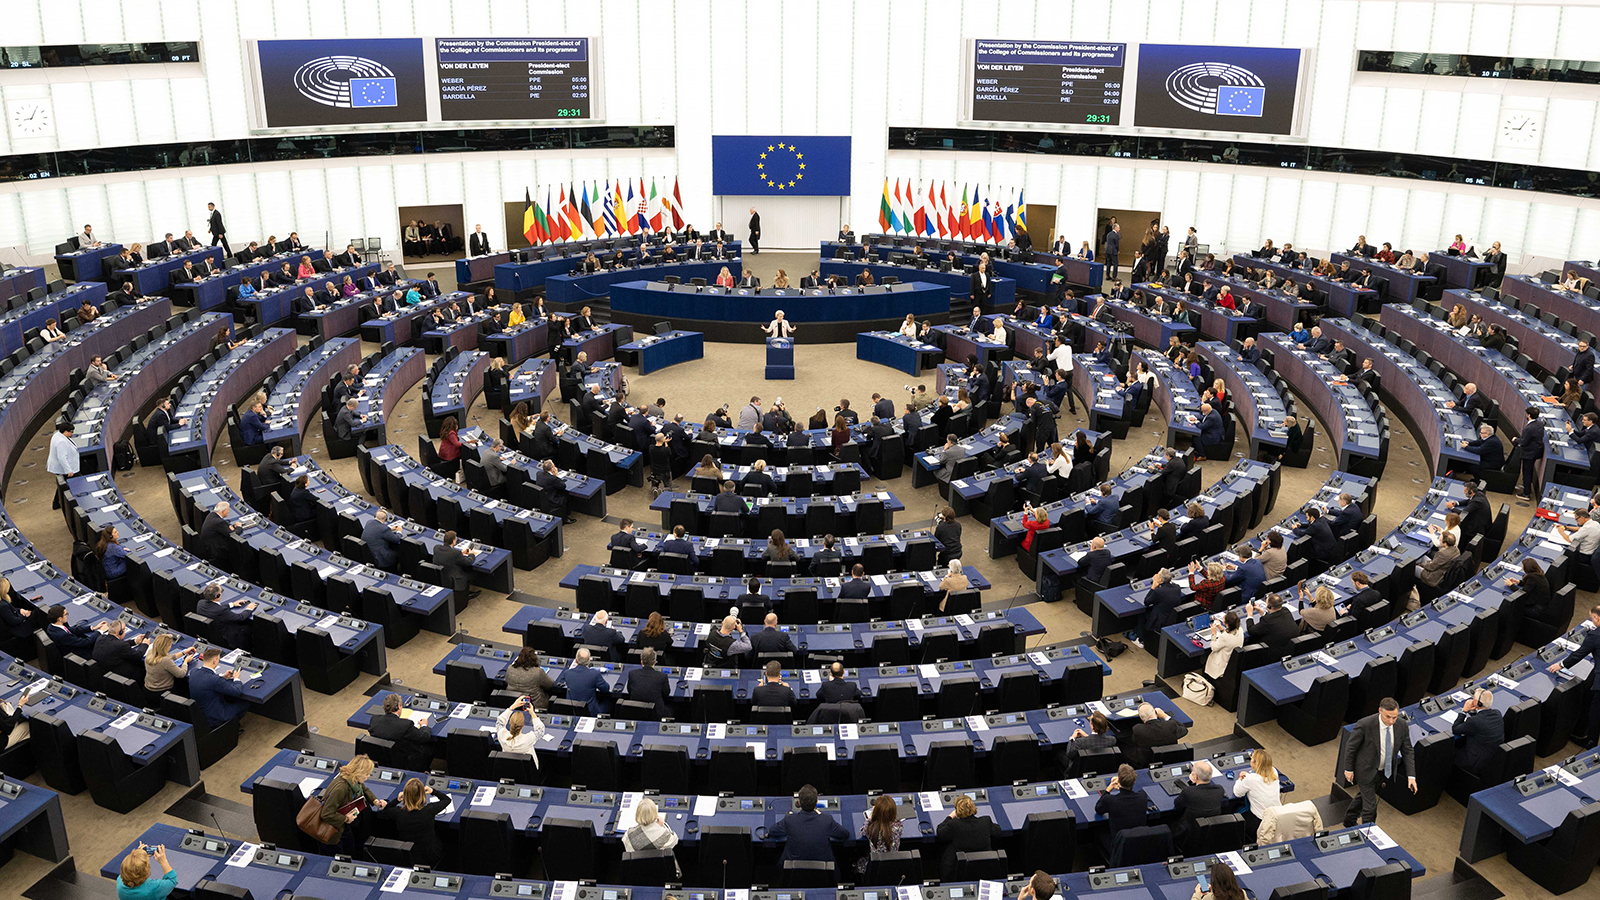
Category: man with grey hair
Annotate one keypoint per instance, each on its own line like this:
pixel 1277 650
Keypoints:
pixel 382 540
pixel 1199 799
pixel 494 466
pixel 1481 729
pixel 1345 515
pixel 647 684
pixel 586 684
pixel 1160 605
pixel 1156 728
pixel 1491 453
pixel 214 532
pixel 348 420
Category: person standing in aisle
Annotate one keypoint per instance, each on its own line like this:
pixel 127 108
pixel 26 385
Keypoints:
pixel 219 235
pixel 755 231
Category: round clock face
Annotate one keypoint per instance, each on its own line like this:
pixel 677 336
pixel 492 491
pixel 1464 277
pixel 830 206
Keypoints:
pixel 1519 129
pixel 31 118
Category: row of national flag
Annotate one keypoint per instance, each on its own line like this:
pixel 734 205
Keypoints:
pixel 575 212
pixel 991 215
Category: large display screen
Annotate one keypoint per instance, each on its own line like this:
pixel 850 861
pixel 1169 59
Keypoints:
pixel 1059 82
pixel 513 78
pixel 1207 88
pixel 342 82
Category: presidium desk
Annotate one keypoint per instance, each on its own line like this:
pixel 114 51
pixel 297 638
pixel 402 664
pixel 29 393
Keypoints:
pixel 820 315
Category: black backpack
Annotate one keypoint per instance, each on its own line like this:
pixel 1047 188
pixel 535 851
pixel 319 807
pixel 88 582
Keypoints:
pixel 122 456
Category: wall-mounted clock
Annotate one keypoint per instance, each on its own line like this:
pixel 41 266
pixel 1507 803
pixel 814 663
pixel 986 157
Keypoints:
pixel 1520 128
pixel 31 118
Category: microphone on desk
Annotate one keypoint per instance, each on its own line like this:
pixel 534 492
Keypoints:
pixel 219 827
pixel 1012 602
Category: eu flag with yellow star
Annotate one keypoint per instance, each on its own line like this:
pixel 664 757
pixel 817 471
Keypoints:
pixel 780 164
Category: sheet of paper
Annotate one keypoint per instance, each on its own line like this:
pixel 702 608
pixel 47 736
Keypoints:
pixel 1235 862
pixel 928 670
pixel 243 855
pixel 811 676
pixel 585 725
pixel 991 890
pixel 1074 790
pixel 448 809
pixel 848 731
pixel 630 802
pixel 908 892
pixel 124 720
pixel 716 731
pixel 461 710
pixel 396 881
pixel 1380 839
pixel 1563 776
pixel 309 786
pixel 760 747
pixel 977 723
pixel 693 674
pixel 1039 659
pixel 705 806
pixel 828 749
pixel 483 796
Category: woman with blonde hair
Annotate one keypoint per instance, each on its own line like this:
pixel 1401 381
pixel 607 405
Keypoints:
pixel 519 732
pixel 515 317
pixel 1208 587
pixel 305 270
pixel 346 787
pixel 955 580
pixel 649 831
pixel 908 328
pixel 1060 462
pixel 782 279
pixel 725 278
pixel 1321 612
pixel 882 829
pixel 413 819
pixel 162 667
pixel 134 883
pixel 1260 785
pixel 964 831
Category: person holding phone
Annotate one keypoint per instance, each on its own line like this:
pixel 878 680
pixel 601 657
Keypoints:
pixel 133 882
pixel 1218 883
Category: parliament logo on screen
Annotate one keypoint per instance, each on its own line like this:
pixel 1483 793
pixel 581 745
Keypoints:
pixel 1217 89
pixel 346 82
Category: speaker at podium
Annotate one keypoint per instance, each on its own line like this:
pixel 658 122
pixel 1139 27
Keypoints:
pixel 780 359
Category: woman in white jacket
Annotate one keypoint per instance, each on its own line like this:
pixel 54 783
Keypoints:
pixel 1260 785
pixel 519 729
pixel 1226 637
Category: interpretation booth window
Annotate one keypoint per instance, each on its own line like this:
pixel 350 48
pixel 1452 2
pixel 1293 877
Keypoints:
pixel 63 56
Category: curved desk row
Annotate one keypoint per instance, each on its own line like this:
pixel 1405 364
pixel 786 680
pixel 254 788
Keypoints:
pixel 1068 513
pixel 409 488
pixel 585 494
pixel 168 565
pixel 533 382
pixel 1003 291
pixel 1441 628
pixel 298 392
pixel 203 407
pixel 1336 858
pixel 382 388
pixel 1175 397
pixel 1404 285
pixel 406 325
pixel 987 493
pixel 559 631
pixel 453 383
pixel 737 314
pixel 610 813
pixel 737 557
pixel 614 465
pixel 571 292
pixel 1344 299
pixel 86 263
pixel 515 343
pixel 345 315
pixel 1034 277
pixel 655 352
pixel 1548 346
pixel 1568 306
pixel 222 288
pixel 1354 427
pixel 1236 502
pixel 1215 322
pixel 1282 310
pixel 153 276
pixel 60 305
pixel 108 410
pixel 1260 405
pixel 1417 392
pixel 974 486
pixel 796 516
pixel 1505 383
pixel 895 350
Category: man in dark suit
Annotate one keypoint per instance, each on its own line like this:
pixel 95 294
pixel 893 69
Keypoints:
pixel 477 242
pixel 1378 751
pixel 115 653
pixel 218 695
pixel 882 407
pixel 1199 799
pixel 597 632
pixel 219 235
pixel 456 563
pixel 648 684
pixel 230 622
pixel 858 587
pixel 769 639
pixel 728 501
pixel 1034 474
pixel 1531 443
pixel 1471 400
pixel 836 689
pixel 1249 574
pixel 1276 628
pixel 1198 521
pixel 624 540
pixel 1589 649
pixel 1475 515
pixel 1095 563
pixel 1155 729
pixel 413 742
pixel 1345 515
pixel 806 833
pixel 79 639
pixel 1481 729
pixel 1098 737
pixel 1161 602
pixel 773 690
pixel 1322 539
pixel 1496 258
pixel 586 684
pixel 678 544
pixel 1212 430
pixel 554 487
pixel 214 532
pixel 1174 469
pixel 1123 805
pixel 382 540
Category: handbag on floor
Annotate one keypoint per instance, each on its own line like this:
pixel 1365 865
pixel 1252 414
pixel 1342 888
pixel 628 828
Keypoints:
pixel 1198 689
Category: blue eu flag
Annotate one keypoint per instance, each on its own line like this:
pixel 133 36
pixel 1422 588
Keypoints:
pixel 1240 101
pixel 365 92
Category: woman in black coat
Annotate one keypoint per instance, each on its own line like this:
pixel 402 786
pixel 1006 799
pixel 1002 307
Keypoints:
pixel 965 832
pixel 414 820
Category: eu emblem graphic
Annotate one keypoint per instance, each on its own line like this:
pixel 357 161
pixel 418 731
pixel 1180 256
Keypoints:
pixel 366 92
pixel 778 165
pixel 1233 100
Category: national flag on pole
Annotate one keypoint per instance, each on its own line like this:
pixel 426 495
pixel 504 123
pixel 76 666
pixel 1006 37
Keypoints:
pixel 908 214
pixel 558 215
pixel 583 211
pixel 547 219
pixel 642 210
pixel 999 223
pixel 894 208
pixel 528 222
pixel 678 221
pixel 974 217
pixel 884 214
pixel 633 220
pixel 607 211
pixel 597 220
pixel 1022 212
pixel 655 207
pixel 984 225
pixel 1011 220
pixel 574 224
pixel 618 212
pixel 944 213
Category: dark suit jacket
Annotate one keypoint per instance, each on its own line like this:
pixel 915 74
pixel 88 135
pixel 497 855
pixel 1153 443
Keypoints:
pixel 1094 565
pixel 214 541
pixel 1589 648
pixel 1481 732
pixel 1155 733
pixel 413 746
pixel 855 589
pixel 1322 540
pixel 771 640
pixel 1275 629
pixel 1125 808
pixel 1197 802
pixel 1363 752
pixel 808 835
pixel 457 568
pixel 597 635
pixel 974 834
pixel 232 623
pixel 650 685
pixel 586 684
pixel 771 693
pixel 121 656
pixel 218 699
pixel 838 690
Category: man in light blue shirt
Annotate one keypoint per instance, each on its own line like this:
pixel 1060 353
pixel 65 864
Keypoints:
pixel 63 456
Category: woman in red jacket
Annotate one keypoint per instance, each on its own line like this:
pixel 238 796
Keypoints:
pixel 450 443
pixel 1035 520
